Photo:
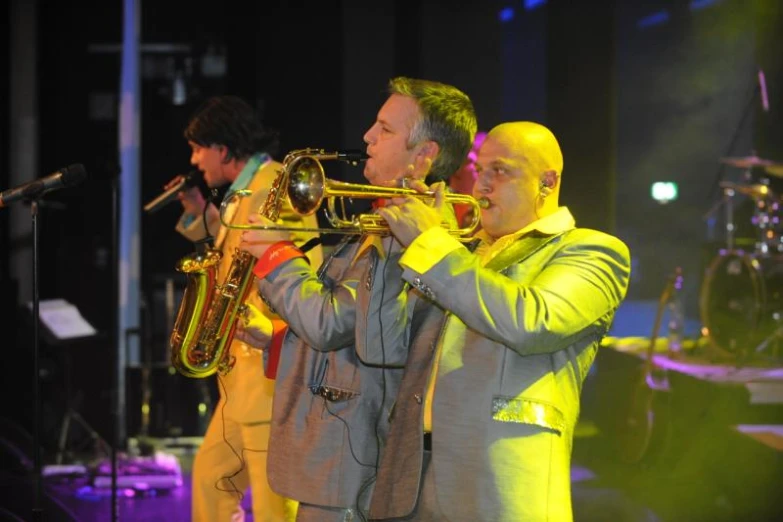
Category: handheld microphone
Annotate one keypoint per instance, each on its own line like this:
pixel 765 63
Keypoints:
pixel 188 180
pixel 66 177
pixel 763 90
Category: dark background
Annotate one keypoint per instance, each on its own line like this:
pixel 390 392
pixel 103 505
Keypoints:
pixel 632 101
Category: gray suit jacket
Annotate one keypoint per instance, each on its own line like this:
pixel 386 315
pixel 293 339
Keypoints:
pixel 330 411
pixel 517 339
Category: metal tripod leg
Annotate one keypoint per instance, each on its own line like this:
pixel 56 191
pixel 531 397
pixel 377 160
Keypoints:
pixel 65 427
pixel 776 335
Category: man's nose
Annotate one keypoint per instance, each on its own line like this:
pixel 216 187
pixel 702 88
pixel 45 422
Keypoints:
pixel 369 136
pixel 483 184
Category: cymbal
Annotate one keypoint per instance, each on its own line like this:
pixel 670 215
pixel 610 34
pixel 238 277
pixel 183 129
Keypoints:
pixel 755 190
pixel 775 170
pixel 747 162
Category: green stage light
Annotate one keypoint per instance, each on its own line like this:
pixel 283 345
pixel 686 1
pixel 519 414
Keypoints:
pixel 664 191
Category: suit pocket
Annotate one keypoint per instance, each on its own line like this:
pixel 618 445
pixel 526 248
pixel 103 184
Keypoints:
pixel 528 411
pixel 335 402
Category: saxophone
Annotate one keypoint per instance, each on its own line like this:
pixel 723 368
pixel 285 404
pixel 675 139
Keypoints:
pixel 207 316
pixel 206 320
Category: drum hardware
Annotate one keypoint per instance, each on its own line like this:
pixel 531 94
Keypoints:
pixel 741 299
pixel 741 304
pixel 765 221
pixel 727 203
pixel 775 170
pixel 749 162
pixel 756 190
pixel 774 337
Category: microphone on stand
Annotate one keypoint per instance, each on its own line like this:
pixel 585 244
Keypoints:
pixel 188 180
pixel 65 177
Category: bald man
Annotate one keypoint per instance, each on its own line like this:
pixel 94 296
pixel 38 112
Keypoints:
pixel 483 425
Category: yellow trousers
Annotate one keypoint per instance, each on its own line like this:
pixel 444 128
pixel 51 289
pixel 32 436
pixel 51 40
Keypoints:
pixel 231 459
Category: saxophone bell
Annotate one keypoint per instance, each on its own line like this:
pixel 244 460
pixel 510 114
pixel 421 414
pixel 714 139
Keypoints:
pixel 206 321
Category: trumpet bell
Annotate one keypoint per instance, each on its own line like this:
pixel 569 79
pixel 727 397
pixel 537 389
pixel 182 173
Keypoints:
pixel 303 182
pixel 306 185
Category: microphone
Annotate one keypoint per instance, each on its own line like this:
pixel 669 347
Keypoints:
pixel 66 177
pixel 352 156
pixel 763 89
pixel 188 180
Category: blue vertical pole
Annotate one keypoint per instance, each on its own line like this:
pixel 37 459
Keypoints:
pixel 129 202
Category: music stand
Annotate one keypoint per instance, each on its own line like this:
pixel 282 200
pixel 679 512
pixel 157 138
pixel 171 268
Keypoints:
pixel 62 325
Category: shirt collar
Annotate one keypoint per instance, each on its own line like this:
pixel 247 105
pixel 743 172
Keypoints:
pixel 559 221
pixel 246 174
pixel 556 222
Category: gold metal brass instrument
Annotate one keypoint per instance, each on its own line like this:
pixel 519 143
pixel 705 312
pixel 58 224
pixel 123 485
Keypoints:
pixel 206 320
pixel 303 182
pixel 207 316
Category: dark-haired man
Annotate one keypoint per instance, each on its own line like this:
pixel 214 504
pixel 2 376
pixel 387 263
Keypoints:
pixel 231 146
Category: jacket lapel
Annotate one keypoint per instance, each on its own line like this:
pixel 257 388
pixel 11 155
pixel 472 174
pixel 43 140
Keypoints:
pixel 522 249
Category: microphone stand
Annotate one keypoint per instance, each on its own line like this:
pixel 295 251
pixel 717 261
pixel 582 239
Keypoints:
pixel 37 503
pixel 117 378
pixel 745 113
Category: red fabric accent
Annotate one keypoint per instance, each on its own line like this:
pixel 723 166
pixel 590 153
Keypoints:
pixel 379 203
pixel 275 256
pixel 279 328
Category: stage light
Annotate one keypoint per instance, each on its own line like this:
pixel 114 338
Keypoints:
pixel 664 191
pixel 506 14
pixel 657 18
pixel 533 4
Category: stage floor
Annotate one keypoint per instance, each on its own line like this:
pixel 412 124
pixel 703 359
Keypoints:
pixel 716 463
pixel 721 483
pixel 594 501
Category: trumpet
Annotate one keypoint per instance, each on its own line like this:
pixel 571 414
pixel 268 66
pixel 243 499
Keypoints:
pixel 303 183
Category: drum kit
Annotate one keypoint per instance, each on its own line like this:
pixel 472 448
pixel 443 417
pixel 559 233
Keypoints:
pixel 741 299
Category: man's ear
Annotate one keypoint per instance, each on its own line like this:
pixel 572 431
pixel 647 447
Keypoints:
pixel 550 179
pixel 424 158
pixel 225 155
pixel 430 149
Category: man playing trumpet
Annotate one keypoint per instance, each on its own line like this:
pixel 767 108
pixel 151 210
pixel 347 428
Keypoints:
pixel 331 410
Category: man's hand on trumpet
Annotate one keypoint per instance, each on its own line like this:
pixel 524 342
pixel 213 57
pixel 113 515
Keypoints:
pixel 409 216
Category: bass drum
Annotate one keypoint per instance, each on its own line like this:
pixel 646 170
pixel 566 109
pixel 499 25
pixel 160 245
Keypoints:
pixel 741 302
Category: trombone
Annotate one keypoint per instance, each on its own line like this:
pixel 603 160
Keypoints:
pixel 303 183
